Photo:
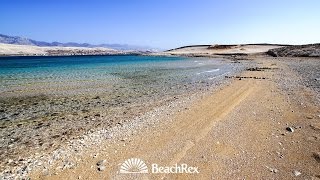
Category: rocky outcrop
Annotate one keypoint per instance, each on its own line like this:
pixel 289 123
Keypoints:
pixel 217 46
pixel 309 50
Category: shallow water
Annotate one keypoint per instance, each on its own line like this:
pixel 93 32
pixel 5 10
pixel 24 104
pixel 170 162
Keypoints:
pixel 46 100
pixel 72 75
pixel 36 88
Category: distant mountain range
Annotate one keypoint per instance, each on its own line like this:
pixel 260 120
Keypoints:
pixel 25 41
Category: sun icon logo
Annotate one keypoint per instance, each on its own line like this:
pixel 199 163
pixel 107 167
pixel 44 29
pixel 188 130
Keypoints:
pixel 133 165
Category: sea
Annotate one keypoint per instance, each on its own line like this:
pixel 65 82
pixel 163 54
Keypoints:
pixel 71 75
pixel 47 99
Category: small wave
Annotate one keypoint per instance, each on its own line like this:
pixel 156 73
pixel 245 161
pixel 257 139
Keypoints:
pixel 213 70
pixel 218 76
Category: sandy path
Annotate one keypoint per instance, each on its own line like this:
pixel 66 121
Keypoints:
pixel 236 132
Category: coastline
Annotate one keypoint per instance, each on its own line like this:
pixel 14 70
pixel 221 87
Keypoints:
pixel 160 90
pixel 240 125
pixel 74 124
pixel 63 165
pixel 9 50
pixel 55 56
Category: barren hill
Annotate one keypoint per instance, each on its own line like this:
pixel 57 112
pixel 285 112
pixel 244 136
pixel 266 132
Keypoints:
pixel 207 50
pixel 29 50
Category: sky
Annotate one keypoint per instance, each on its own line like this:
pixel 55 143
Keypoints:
pixel 163 23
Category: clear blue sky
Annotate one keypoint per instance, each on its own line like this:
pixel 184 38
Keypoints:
pixel 163 23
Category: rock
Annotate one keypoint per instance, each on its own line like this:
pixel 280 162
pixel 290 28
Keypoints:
pixel 55 114
pixel 101 162
pixel 296 173
pixel 23 170
pixel 274 170
pixel 10 161
pixel 290 129
pixel 101 168
pixel 85 110
pixel 310 50
pixel 317 156
pixel 309 117
pixel 68 165
pixel 97 97
pixel 315 126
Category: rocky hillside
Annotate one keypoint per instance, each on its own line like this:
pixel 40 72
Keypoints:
pixel 309 50
pixel 16 40
pixel 31 50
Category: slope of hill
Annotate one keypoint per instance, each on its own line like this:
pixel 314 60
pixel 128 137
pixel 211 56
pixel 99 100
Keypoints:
pixel 31 50
pixel 25 41
pixel 210 50
pixel 309 50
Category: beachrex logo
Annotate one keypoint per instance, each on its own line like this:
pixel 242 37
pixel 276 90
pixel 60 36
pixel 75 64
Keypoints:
pixel 135 165
pixel 177 168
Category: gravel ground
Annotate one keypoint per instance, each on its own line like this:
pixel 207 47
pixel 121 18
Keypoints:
pixel 306 72
pixel 38 129
pixel 309 72
pixel 62 138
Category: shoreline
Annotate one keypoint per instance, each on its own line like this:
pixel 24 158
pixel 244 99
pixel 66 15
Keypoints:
pixel 92 117
pixel 224 50
pixel 65 169
pixel 57 56
pixel 117 133
pixel 188 133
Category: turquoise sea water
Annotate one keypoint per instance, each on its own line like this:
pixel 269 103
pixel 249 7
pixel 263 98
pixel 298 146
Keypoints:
pixel 31 74
pixel 46 100
pixel 87 92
